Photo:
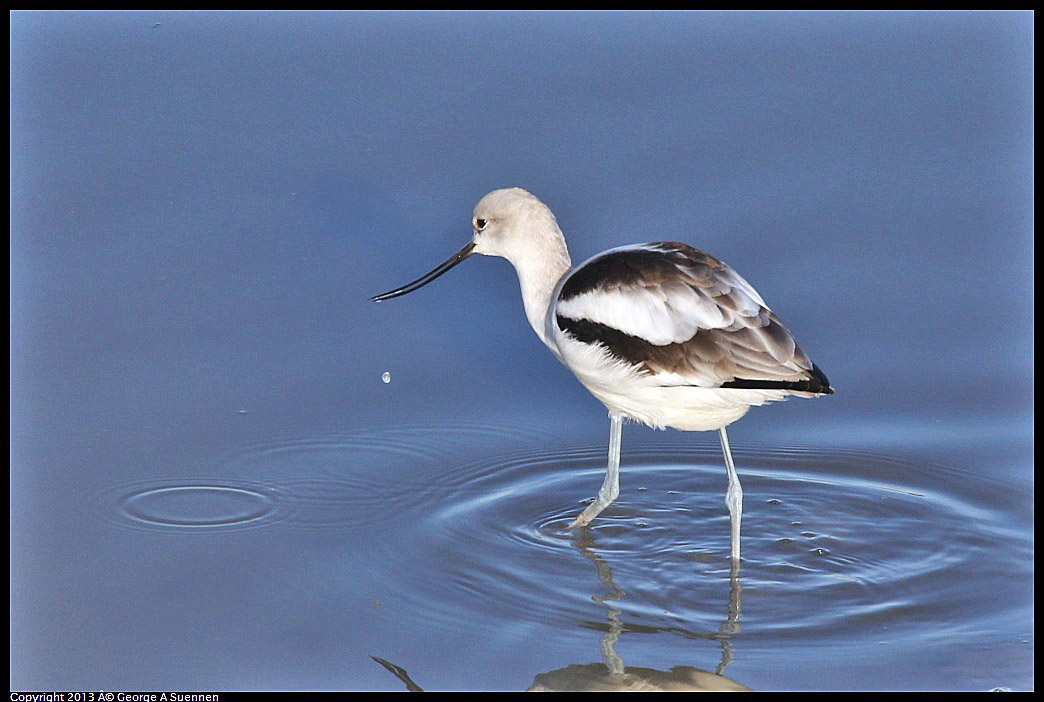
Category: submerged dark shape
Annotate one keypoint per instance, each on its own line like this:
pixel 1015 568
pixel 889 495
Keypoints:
pixel 400 673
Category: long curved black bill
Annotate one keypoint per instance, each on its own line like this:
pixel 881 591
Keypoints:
pixel 427 277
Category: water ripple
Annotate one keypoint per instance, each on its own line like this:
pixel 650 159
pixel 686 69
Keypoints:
pixel 187 504
pixel 834 541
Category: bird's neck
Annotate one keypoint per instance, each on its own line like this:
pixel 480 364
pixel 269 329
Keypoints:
pixel 539 270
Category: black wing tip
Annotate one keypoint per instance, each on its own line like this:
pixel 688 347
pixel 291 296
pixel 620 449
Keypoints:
pixel 817 384
pixel 820 377
pixel 810 386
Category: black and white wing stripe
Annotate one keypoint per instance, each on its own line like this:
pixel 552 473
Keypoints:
pixel 684 317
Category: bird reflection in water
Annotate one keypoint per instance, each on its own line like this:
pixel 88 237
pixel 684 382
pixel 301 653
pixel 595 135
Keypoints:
pixel 611 675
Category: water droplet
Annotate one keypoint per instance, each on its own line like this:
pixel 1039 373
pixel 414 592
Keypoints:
pixel 386 377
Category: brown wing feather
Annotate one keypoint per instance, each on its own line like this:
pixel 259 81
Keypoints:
pixel 750 348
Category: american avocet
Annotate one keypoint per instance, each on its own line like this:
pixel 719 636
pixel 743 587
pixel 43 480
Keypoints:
pixel 660 333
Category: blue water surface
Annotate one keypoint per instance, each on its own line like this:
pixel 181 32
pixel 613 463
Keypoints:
pixel 212 487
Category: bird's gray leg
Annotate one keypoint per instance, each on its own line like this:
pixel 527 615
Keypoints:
pixel 733 496
pixel 610 489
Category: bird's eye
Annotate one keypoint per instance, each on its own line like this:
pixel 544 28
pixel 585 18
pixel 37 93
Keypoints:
pixel 480 224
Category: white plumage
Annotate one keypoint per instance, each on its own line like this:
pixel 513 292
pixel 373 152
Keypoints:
pixel 669 312
pixel 660 333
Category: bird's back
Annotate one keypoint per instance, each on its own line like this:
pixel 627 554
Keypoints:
pixel 667 315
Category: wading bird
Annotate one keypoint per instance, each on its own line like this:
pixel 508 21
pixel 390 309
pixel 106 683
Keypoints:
pixel 660 333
